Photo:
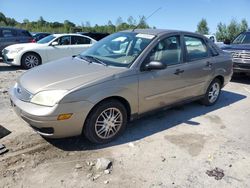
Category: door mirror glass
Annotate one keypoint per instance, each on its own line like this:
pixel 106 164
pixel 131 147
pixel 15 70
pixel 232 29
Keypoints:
pixel 154 65
pixel 55 43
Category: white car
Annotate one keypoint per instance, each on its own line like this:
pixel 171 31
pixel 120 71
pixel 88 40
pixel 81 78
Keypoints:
pixel 50 48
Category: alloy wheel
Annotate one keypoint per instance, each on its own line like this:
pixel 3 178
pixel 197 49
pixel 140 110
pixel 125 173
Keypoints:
pixel 108 123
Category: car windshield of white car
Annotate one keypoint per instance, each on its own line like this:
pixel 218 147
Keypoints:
pixel 119 49
pixel 46 39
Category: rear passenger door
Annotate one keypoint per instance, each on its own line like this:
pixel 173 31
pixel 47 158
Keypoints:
pixel 198 65
pixel 79 44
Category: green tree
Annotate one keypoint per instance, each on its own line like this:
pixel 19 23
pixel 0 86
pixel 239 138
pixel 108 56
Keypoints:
pixel 221 32
pixel 202 27
pixel 233 29
pixel 3 18
pixel 243 25
pixel 119 21
pixel 131 21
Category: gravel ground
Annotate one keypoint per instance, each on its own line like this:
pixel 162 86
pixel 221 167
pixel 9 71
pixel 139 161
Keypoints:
pixel 180 147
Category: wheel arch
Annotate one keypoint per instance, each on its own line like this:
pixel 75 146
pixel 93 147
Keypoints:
pixel 118 98
pixel 31 52
pixel 221 78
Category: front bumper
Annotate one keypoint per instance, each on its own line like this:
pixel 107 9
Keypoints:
pixel 44 119
pixel 11 59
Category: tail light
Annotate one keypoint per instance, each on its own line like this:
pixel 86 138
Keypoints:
pixel 32 40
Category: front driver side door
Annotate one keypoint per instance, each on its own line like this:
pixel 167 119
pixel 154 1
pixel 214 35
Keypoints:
pixel 158 88
pixel 61 50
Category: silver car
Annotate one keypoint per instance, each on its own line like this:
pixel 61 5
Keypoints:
pixel 120 78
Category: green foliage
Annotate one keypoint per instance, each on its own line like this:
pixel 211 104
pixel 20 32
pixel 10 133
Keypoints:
pixel 202 27
pixel 221 33
pixel 231 31
pixel 68 26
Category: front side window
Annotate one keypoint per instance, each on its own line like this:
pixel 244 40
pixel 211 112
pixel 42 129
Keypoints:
pixel 65 40
pixel 119 49
pixel 76 40
pixel 196 48
pixel 167 51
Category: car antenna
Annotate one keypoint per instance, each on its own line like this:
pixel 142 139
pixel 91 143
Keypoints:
pixel 146 19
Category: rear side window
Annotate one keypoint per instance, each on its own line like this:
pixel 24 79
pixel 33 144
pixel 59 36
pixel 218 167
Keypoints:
pixel 75 40
pixel 196 48
pixel 8 33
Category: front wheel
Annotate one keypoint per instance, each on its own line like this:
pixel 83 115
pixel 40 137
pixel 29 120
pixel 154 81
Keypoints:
pixel 30 60
pixel 213 93
pixel 105 122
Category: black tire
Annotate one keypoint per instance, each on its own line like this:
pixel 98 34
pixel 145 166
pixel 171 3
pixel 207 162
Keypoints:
pixel 207 98
pixel 90 129
pixel 34 58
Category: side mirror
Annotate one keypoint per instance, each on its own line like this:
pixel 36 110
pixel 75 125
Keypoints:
pixel 55 43
pixel 227 41
pixel 154 65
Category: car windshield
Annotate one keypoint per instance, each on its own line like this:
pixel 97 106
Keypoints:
pixel 46 39
pixel 119 49
pixel 243 38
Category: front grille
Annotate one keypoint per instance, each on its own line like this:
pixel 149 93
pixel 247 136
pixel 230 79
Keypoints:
pixel 241 65
pixel 22 93
pixel 241 55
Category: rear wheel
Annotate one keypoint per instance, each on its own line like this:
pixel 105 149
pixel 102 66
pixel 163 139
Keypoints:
pixel 30 60
pixel 106 122
pixel 213 93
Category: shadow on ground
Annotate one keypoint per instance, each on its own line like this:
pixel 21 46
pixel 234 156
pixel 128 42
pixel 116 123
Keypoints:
pixel 153 124
pixel 241 78
pixel 5 67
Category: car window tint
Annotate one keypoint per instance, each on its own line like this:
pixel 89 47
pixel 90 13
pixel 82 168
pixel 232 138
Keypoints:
pixel 167 51
pixel 75 40
pixel 24 33
pixel 65 40
pixel 8 33
pixel 196 48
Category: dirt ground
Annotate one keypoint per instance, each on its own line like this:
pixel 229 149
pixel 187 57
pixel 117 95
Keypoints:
pixel 174 148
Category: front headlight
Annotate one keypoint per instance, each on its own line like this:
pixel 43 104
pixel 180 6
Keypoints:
pixel 15 50
pixel 48 98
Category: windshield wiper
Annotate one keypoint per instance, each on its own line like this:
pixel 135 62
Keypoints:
pixel 91 59
pixel 97 60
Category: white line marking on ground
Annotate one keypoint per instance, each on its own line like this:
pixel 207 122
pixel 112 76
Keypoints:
pixel 247 90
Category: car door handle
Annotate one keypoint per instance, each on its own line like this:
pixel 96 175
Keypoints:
pixel 209 64
pixel 178 71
